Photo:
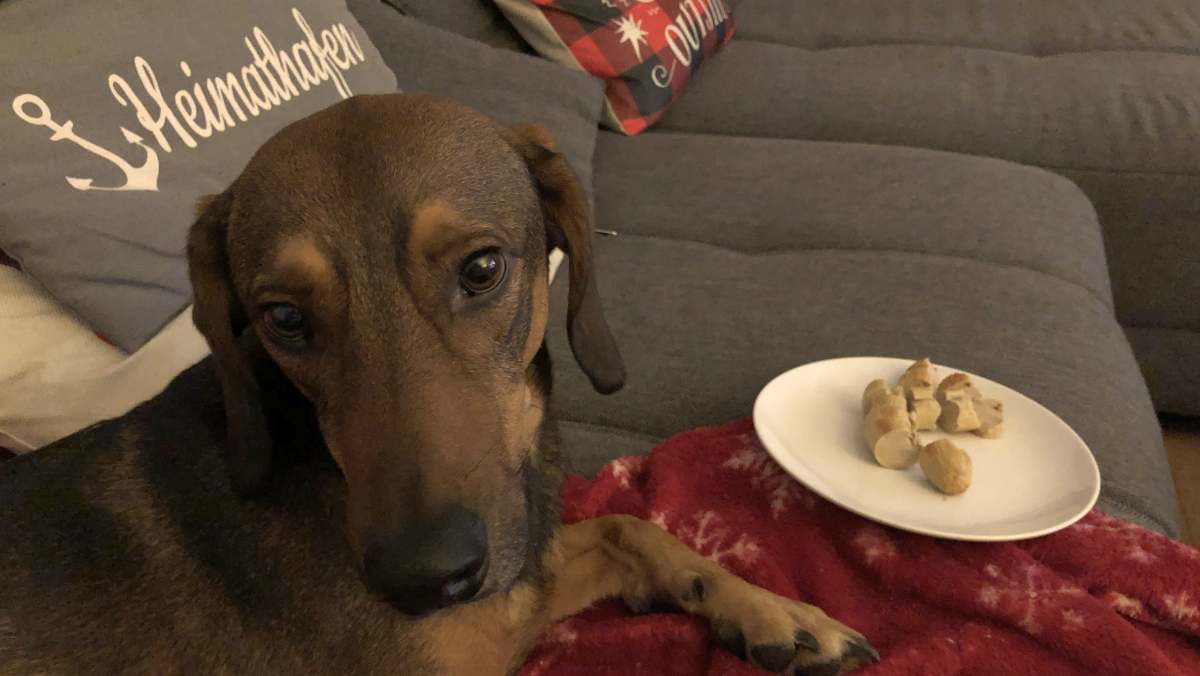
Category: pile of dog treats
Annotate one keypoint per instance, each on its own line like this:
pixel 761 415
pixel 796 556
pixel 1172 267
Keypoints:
pixel 895 414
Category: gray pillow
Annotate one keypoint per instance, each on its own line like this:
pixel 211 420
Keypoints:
pixel 119 115
pixel 507 86
pixel 479 20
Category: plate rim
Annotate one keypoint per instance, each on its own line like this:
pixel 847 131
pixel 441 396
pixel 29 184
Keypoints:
pixel 763 434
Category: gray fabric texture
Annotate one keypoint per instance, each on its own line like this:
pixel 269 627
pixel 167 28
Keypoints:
pixel 1152 235
pixel 479 20
pixel 507 86
pixel 757 284
pixel 1032 218
pixel 1104 92
pixel 1170 361
pixel 588 448
pixel 72 86
pixel 1035 28
pixel 529 20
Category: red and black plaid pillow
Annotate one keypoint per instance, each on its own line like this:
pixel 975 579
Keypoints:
pixel 645 50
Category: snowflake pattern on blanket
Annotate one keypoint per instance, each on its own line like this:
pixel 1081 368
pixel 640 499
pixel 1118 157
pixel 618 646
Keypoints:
pixel 1101 597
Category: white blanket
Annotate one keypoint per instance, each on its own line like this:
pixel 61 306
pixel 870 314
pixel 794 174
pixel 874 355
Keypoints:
pixel 57 376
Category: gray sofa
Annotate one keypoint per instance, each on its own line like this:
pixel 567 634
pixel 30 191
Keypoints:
pixel 909 178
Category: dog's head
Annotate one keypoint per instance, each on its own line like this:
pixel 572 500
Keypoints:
pixel 388 255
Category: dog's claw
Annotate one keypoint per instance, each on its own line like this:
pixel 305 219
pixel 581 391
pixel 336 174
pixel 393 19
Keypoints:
pixel 773 657
pixel 807 641
pixel 775 633
pixel 862 650
pixel 730 636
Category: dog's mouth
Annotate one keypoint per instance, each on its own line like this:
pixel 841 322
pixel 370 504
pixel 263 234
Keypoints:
pixel 423 600
pixel 508 563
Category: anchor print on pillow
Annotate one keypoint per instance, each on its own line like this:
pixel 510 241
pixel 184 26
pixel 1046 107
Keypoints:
pixel 144 177
pixel 271 79
pixel 117 117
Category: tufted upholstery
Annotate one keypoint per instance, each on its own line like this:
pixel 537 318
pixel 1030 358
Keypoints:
pixel 1104 92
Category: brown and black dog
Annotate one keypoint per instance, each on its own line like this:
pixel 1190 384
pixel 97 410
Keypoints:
pixel 363 477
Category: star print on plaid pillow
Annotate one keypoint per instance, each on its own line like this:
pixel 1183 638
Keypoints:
pixel 646 51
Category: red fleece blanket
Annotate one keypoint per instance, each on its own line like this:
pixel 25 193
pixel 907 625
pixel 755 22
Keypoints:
pixel 1101 597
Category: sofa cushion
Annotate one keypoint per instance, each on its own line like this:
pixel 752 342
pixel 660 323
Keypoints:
pixel 1168 361
pixel 1032 219
pixel 1106 93
pixel 646 52
pixel 112 132
pixel 1104 111
pixel 1038 28
pixel 707 315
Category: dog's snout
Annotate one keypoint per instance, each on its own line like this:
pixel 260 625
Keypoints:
pixel 435 563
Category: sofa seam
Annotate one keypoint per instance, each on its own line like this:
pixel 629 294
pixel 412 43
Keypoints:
pixel 995 50
pixel 1108 305
pixel 666 128
pixel 1170 329
pixel 604 427
pixel 1119 172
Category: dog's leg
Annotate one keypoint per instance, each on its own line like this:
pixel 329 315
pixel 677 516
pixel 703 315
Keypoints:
pixel 643 564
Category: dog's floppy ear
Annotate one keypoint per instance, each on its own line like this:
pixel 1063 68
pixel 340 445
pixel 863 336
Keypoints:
pixel 568 226
pixel 219 316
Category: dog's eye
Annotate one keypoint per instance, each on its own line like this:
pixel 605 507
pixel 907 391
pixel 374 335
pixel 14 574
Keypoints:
pixel 482 272
pixel 285 321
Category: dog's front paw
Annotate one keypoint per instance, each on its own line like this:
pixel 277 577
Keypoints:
pixel 774 632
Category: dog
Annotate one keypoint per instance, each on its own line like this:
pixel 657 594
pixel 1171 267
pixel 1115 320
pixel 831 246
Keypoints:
pixel 363 476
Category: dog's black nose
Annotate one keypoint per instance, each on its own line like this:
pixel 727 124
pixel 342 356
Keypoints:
pixel 436 563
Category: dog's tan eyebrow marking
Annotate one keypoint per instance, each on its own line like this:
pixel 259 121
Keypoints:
pixel 437 228
pixel 298 267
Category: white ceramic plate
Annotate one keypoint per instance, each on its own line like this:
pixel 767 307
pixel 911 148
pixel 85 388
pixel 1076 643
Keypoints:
pixel 1036 479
